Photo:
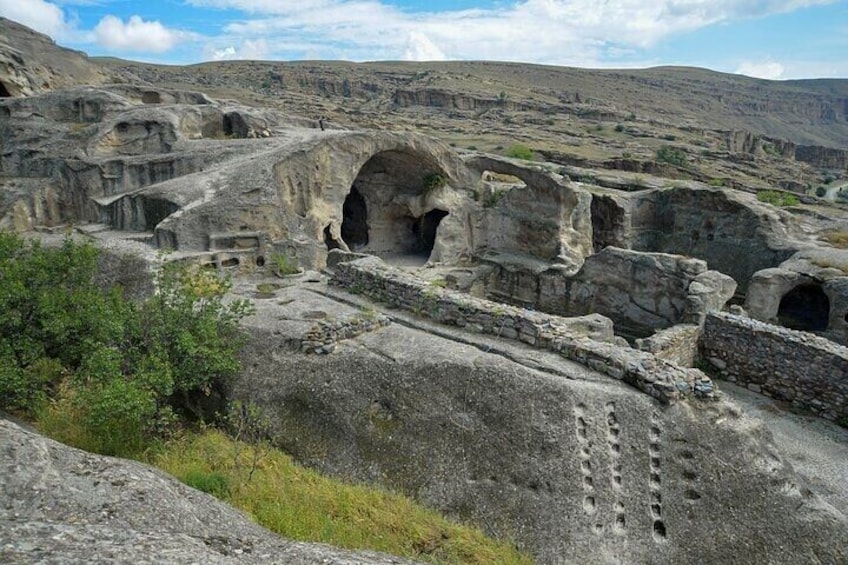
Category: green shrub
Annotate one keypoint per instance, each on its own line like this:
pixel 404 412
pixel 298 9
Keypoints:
pixel 619 128
pixel 520 151
pixel 821 192
pixel 103 373
pixel 671 155
pixel 433 180
pixel 777 198
pixel 716 182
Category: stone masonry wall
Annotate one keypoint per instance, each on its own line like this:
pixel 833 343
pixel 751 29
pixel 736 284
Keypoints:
pixel 807 370
pixel 677 344
pixel 585 340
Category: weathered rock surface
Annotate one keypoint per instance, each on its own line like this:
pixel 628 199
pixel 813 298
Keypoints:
pixel 577 467
pixel 31 62
pixel 733 232
pixel 63 505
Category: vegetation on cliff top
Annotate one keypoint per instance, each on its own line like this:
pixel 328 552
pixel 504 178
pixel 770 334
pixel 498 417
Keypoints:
pixel 131 379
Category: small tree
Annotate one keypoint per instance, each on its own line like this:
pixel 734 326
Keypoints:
pixel 671 155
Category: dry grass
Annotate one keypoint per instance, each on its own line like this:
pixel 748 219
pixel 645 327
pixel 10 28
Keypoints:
pixel 838 239
pixel 300 504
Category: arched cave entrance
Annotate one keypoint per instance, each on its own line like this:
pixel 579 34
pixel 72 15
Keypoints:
pixel 607 223
pixel 235 125
pixel 805 307
pixel 389 211
pixel 4 92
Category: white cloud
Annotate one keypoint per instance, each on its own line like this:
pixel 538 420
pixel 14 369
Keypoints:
pixel 222 54
pixel 767 70
pixel 420 48
pixel 249 50
pixel 552 31
pixel 42 16
pixel 136 35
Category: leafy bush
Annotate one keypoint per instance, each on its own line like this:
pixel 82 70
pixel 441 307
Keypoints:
pixel 777 198
pixel 100 372
pixel 716 182
pixel 671 155
pixel 433 180
pixel 520 151
pixel 821 192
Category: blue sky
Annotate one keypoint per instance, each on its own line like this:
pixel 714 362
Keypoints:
pixel 778 39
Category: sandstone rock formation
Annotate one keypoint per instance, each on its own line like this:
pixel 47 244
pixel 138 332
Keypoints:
pixel 553 432
pixel 65 505
pixel 809 292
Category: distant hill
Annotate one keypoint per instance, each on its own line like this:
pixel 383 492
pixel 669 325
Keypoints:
pixel 733 130
pixel 809 112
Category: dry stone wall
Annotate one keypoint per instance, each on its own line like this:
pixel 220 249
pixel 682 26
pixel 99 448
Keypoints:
pixel 586 340
pixel 323 336
pixel 807 370
pixel 677 344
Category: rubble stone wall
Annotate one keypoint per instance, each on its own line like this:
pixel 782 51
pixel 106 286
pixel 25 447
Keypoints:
pixel 586 340
pixel 807 370
pixel 677 344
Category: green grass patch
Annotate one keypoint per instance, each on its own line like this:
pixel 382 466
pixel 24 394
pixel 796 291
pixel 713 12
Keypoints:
pixel 216 484
pixel 520 151
pixel 301 504
pixel 777 198
pixel 284 265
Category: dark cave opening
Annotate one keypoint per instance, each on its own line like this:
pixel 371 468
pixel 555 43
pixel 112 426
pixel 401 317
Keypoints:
pixel 607 223
pixel 235 126
pixel 329 240
pixel 355 220
pixel 425 229
pixel 805 307
pixel 4 92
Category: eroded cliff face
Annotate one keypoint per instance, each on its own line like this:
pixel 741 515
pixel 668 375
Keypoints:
pixel 825 157
pixel 731 231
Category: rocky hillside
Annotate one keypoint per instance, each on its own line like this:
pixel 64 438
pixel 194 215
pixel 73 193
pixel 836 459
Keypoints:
pixel 726 129
pixel 31 62
pixel 729 130
pixel 809 112
pixel 65 505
